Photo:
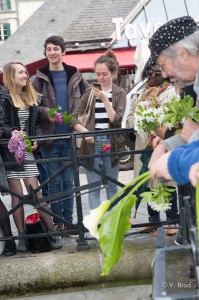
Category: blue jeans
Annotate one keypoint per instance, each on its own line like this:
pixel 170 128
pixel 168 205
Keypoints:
pixel 111 189
pixel 62 182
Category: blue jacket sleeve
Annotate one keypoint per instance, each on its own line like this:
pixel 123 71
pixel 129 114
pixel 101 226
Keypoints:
pixel 181 160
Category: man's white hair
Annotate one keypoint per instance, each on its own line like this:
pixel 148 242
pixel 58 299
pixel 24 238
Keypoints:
pixel 190 43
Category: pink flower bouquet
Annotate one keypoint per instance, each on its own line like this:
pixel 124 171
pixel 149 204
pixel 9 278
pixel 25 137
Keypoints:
pixel 60 118
pixel 18 145
pixel 105 147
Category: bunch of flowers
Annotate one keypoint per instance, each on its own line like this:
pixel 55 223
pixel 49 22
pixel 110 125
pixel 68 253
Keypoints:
pixel 176 112
pixel 104 147
pixel 159 197
pixel 146 117
pixel 150 115
pixel 60 118
pixel 18 145
pixel 109 226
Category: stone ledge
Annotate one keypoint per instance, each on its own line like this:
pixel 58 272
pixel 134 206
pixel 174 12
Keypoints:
pixel 66 268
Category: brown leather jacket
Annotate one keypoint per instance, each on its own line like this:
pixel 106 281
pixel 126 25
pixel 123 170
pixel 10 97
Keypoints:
pixel 43 84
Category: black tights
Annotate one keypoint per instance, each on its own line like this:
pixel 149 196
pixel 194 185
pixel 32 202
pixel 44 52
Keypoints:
pixel 5 223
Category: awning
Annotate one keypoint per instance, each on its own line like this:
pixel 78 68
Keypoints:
pixel 85 61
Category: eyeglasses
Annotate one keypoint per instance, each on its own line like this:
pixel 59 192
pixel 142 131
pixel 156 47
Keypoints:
pixel 151 73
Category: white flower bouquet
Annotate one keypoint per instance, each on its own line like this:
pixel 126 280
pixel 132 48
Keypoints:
pixel 149 115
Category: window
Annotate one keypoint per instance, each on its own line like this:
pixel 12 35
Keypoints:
pixel 175 8
pixel 193 8
pixel 5 5
pixel 4 31
pixel 155 11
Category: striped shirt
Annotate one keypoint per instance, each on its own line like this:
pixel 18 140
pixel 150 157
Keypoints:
pixel 30 169
pixel 101 116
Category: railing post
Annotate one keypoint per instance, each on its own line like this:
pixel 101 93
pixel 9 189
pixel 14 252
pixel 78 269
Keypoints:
pixel 82 245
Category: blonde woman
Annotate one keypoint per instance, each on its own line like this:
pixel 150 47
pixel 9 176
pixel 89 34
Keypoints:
pixel 19 102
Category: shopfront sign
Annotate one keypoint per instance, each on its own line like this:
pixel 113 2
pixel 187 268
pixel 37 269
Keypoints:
pixel 133 31
pixel 136 30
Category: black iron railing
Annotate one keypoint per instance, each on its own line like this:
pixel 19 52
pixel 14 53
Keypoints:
pixel 75 161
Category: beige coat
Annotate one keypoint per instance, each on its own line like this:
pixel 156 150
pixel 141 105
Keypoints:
pixel 119 105
pixel 142 141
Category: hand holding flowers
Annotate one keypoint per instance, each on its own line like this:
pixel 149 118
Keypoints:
pixel 146 117
pixel 149 115
pixel 60 118
pixel 18 145
pixel 104 147
pixel 176 112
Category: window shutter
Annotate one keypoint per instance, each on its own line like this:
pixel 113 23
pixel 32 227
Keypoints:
pixel 8 30
pixel 8 4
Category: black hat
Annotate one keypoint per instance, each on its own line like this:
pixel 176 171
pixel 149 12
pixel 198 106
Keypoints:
pixel 169 34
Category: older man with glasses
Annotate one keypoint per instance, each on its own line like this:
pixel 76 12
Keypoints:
pixel 175 49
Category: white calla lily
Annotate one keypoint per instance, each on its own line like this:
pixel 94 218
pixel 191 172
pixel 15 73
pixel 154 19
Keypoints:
pixel 92 220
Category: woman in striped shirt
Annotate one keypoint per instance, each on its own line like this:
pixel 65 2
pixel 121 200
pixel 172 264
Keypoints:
pixel 19 102
pixel 107 110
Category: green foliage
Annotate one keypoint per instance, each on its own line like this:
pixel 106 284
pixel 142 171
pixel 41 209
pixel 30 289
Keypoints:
pixel 112 231
pixel 177 112
pixel 28 144
pixel 115 223
pixel 159 194
pixel 66 117
pixel 53 111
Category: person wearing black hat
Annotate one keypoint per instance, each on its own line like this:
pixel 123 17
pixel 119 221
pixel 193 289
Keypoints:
pixel 175 48
pixel 159 90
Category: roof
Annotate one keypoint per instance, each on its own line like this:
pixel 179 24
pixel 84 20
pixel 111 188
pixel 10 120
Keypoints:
pixel 74 20
pixel 52 17
pixel 95 21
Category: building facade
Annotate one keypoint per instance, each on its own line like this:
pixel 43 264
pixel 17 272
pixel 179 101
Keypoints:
pixel 13 13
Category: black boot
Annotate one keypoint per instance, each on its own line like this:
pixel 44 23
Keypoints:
pixel 10 248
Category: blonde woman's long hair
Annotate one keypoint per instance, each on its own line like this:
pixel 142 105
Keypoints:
pixel 28 97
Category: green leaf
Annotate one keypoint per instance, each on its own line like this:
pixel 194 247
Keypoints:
pixel 174 120
pixel 53 111
pixel 28 145
pixel 140 107
pixel 166 119
pixel 112 231
pixel 171 107
pixel 190 103
pixel 66 117
pixel 169 189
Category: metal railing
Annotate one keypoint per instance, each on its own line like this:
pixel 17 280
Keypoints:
pixel 75 161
